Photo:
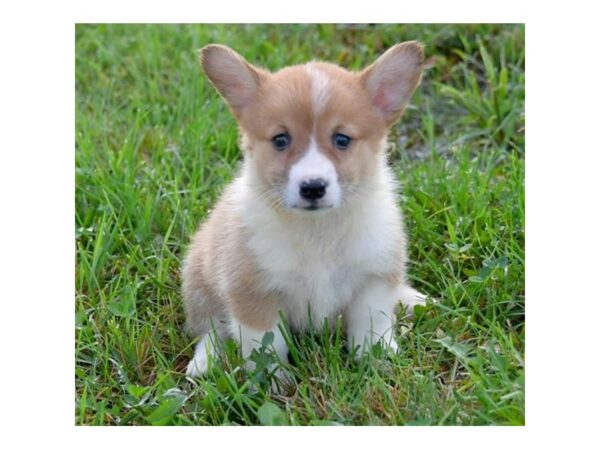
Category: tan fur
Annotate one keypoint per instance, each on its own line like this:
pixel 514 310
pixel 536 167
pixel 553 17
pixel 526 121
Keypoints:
pixel 220 272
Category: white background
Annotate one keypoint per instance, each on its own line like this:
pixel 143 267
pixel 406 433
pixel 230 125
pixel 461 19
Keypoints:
pixel 37 253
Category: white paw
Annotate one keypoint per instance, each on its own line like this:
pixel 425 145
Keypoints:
pixel 197 366
pixel 392 345
pixel 410 298
pixel 199 363
pixel 388 342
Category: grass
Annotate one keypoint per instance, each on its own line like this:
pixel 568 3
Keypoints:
pixel 155 147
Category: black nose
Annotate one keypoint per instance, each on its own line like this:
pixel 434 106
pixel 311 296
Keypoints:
pixel 313 189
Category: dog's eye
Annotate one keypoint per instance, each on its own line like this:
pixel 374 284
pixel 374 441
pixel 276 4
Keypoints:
pixel 281 141
pixel 341 141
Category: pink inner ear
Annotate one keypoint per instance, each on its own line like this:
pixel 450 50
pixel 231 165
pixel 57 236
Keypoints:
pixel 384 100
pixel 237 92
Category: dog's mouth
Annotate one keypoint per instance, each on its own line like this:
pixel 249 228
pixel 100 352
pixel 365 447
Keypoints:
pixel 314 206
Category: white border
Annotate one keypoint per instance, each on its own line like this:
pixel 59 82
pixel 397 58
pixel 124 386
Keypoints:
pixel 37 185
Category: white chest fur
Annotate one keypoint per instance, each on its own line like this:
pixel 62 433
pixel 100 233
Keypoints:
pixel 315 277
pixel 318 261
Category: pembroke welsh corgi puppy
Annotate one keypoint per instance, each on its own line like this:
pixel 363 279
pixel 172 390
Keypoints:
pixel 310 228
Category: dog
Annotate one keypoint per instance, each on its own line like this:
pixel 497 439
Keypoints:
pixel 310 229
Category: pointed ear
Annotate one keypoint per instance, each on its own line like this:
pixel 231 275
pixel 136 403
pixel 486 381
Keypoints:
pixel 235 79
pixel 391 80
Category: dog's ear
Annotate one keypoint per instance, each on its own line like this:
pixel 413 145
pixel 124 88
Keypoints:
pixel 391 80
pixel 235 78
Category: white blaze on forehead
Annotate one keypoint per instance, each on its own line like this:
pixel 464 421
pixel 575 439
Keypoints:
pixel 313 164
pixel 320 88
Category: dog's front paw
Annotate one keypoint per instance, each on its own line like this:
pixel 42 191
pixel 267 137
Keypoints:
pixel 388 343
pixel 410 298
pixel 392 346
pixel 197 366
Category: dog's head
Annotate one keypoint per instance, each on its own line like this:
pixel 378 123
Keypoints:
pixel 314 134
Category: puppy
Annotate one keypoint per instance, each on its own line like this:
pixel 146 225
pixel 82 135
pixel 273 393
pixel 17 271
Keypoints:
pixel 310 228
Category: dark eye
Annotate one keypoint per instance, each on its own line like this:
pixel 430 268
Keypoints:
pixel 281 141
pixel 341 141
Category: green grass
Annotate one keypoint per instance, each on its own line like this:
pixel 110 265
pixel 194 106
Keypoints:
pixel 155 147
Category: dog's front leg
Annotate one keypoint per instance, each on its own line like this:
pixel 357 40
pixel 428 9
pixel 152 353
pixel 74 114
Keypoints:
pixel 370 317
pixel 250 338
